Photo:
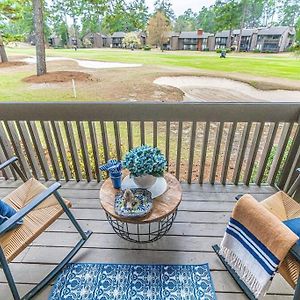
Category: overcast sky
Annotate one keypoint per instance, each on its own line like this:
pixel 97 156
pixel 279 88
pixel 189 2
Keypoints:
pixel 180 6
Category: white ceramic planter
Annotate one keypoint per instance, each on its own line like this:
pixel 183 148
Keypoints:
pixel 145 181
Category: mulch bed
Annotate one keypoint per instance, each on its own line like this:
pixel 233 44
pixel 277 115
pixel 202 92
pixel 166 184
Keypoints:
pixel 56 77
pixel 12 64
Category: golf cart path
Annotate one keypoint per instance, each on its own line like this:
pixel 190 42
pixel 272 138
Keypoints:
pixel 90 64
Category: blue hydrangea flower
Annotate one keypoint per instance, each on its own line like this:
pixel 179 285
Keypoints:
pixel 145 160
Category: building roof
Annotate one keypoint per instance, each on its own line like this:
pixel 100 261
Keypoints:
pixel 278 30
pixel 224 33
pixel 119 34
pixel 245 32
pixel 205 35
pixel 188 35
pixel 91 34
pixel 193 35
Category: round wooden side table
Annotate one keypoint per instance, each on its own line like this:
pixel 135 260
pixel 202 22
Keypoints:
pixel 151 227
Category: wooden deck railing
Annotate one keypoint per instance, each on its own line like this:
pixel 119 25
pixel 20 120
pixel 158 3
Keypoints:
pixel 214 142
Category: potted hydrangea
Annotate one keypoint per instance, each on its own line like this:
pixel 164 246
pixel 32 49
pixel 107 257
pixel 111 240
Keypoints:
pixel 145 164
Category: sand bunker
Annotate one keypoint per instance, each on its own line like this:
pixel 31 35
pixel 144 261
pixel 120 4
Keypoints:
pixel 210 89
pixel 90 64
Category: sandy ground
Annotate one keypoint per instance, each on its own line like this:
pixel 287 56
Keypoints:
pixel 90 64
pixel 208 89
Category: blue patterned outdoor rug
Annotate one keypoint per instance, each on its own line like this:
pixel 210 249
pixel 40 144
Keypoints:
pixel 134 282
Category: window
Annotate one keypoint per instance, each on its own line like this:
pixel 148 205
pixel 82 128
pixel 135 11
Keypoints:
pixel 221 40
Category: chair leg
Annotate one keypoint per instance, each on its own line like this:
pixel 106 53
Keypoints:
pixel 234 275
pixel 57 269
pixel 297 290
pixel 70 215
pixel 54 273
pixel 9 276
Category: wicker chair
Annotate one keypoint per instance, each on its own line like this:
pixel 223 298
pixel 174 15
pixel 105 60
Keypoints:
pixel 39 207
pixel 284 207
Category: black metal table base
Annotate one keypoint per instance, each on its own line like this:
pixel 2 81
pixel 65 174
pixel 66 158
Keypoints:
pixel 142 233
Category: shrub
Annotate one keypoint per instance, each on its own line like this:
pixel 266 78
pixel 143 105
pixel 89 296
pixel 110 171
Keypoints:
pixel 147 48
pixel 220 50
pixel 131 40
pixel 256 51
pixel 270 161
pixel 295 47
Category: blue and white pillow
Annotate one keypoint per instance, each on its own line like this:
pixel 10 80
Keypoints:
pixel 6 212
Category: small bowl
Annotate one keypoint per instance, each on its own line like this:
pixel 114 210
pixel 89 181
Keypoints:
pixel 142 207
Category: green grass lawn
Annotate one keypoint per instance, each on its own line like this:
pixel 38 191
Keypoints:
pixel 260 65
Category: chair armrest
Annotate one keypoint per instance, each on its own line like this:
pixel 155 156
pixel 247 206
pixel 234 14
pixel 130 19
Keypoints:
pixel 15 166
pixel 295 251
pixel 8 162
pixel 29 207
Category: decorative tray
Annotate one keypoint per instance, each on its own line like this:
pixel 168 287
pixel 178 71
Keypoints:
pixel 133 203
pixel 159 187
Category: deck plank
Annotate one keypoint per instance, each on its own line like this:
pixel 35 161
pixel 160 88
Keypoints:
pixel 200 223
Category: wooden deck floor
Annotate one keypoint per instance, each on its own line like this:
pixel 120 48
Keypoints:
pixel 199 224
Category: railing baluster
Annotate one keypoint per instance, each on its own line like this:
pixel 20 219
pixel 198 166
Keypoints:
pixel 290 159
pixel 104 141
pixel 142 132
pixel 266 152
pixel 129 135
pixel 284 139
pixel 241 154
pixel 168 130
pixel 203 152
pixel 179 143
pixel 28 149
pixel 295 165
pixel 215 158
pixel 51 150
pixel 228 151
pixel 117 140
pixel 95 149
pixel 39 149
pixel 61 149
pixel 192 151
pixel 259 129
pixel 154 134
pixel 73 149
pixel 7 150
pixel 84 150
pixel 14 138
pixel 6 172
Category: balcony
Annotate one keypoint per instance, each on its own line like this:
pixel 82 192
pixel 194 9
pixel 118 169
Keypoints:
pixel 217 151
pixel 272 41
pixel 190 41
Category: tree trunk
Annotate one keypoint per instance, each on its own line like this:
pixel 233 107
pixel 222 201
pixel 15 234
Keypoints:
pixel 3 54
pixel 67 31
pixel 242 26
pixel 229 40
pixel 39 37
pixel 76 31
